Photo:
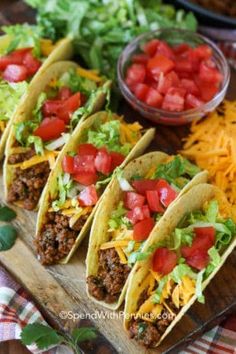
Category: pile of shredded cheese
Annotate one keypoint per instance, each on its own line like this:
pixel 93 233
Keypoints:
pixel 212 146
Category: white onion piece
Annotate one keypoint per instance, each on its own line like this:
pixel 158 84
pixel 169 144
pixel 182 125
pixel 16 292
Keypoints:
pixel 54 145
pixel 125 185
pixel 74 191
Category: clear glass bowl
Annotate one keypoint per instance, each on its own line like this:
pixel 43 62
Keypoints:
pixel 172 37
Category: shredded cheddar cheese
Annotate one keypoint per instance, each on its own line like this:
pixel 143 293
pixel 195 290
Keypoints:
pixel 212 146
pixel 89 74
pixel 115 243
pixel 46 47
pixel 49 156
pixel 121 254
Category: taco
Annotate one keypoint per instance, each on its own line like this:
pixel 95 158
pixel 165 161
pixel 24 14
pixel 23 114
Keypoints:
pixel 79 179
pixel 64 96
pixel 184 252
pixel 24 55
pixel 137 201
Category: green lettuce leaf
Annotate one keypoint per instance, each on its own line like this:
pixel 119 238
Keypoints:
pixel 116 219
pixel 11 94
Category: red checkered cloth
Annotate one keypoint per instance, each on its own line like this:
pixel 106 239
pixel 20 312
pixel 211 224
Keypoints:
pixel 17 310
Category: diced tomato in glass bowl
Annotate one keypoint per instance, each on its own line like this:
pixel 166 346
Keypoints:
pixel 173 76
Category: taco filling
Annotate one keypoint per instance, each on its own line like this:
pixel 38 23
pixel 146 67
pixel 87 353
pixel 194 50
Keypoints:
pixel 85 173
pixel 180 264
pixel 40 138
pixel 143 203
pixel 19 62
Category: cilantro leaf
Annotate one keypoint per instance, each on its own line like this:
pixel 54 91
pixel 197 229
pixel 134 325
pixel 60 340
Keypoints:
pixel 8 236
pixel 7 214
pixel 43 336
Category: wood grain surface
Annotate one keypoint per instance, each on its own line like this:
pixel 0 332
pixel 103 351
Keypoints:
pixel 60 289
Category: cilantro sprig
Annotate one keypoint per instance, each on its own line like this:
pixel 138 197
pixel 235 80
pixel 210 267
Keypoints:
pixel 8 233
pixel 45 337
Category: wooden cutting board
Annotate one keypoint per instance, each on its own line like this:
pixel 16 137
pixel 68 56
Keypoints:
pixel 59 290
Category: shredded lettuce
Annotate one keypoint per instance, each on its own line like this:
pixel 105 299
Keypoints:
pixel 65 184
pixel 116 219
pixel 212 211
pixel 108 134
pixel 77 83
pixel 180 271
pixel 37 115
pixel 11 94
pixel 199 282
pixel 23 36
pixel 177 172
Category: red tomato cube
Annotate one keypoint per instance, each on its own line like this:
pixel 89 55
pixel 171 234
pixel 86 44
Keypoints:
pixel 141 91
pixel 143 185
pixel 181 49
pixel 88 196
pixel 209 74
pixel 192 101
pixel 143 229
pixel 168 81
pixel 103 161
pixel 64 93
pixel 85 178
pixel 136 73
pixel 164 49
pixel 15 73
pixel 50 129
pixel 151 47
pixel 116 159
pixel 153 98
pixel 203 52
pixel 68 164
pixel 164 260
pixel 183 65
pixel 189 86
pixel 32 64
pixel 154 201
pixel 174 100
pixel 166 193
pixel 84 163
pixel 160 64
pixel 87 149
pixel 138 214
pixel 140 58
pixel 132 200
pixel 69 106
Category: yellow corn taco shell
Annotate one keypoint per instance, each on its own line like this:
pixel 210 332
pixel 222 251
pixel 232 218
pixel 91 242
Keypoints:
pixel 24 111
pixel 99 231
pixel 62 50
pixel 194 199
pixel 50 191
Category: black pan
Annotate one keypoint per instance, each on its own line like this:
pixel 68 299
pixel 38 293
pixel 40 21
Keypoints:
pixel 207 17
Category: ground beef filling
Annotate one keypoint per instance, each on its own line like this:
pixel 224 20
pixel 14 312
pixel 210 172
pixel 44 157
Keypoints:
pixel 57 238
pixel 27 185
pixel 148 333
pixel 112 275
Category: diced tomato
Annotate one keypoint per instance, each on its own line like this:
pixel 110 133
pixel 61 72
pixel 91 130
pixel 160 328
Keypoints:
pixel 141 91
pixel 116 159
pixel 68 164
pixel 183 64
pixel 143 185
pixel 154 201
pixel 203 52
pixel 166 193
pixel 174 100
pixel 181 48
pixel 132 200
pixel 203 241
pixel 140 58
pixel 209 74
pixel 136 74
pixel 192 101
pixel 87 149
pixel 208 90
pixel 51 107
pixel 64 93
pixel 151 47
pixel 15 73
pixel 160 64
pixel 164 49
pixel 168 81
pixel 84 163
pixel 198 260
pixel 15 57
pixel 50 128
pixel 69 106
pixel 88 196
pixel 86 178
pixel 31 63
pixel 164 261
pixel 103 161
pixel 153 98
pixel 143 229
pixel 190 86
pixel 138 214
